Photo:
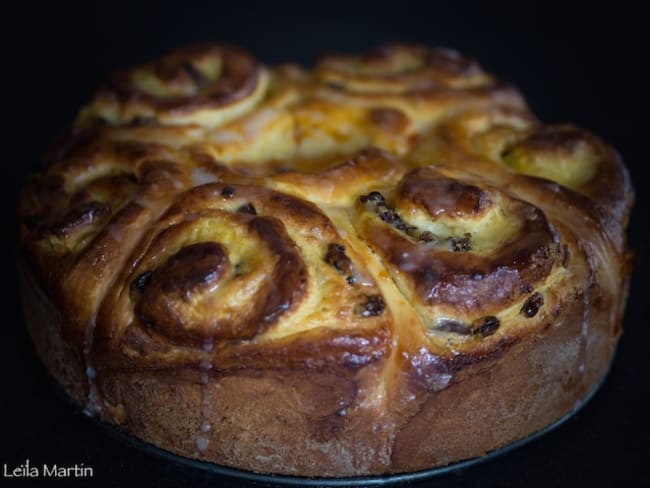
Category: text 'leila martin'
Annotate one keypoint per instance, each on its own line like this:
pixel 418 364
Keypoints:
pixel 27 470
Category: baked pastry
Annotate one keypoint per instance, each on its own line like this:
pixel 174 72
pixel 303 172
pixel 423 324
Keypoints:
pixel 381 265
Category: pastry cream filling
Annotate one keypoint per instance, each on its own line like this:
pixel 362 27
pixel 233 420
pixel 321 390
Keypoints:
pixel 571 170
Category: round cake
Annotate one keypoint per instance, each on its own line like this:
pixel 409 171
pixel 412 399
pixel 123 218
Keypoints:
pixel 380 265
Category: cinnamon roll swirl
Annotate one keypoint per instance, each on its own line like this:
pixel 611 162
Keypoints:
pixel 203 84
pixel 382 265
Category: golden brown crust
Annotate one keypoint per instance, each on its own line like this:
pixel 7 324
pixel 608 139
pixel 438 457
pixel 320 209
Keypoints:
pixel 208 83
pixel 384 265
pixel 403 69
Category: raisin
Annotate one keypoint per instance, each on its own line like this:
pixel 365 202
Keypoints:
pixel 566 256
pixel 486 326
pixel 404 227
pixel 532 305
pixel 141 281
pixel 336 257
pixel 388 215
pixel 373 306
pixel 451 325
pixel 462 244
pixel 373 197
pixel 227 192
pixel 247 208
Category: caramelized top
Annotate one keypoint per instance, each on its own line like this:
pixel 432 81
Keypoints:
pixel 400 205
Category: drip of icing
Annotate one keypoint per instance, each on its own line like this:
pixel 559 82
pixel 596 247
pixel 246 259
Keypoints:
pixel 251 129
pixel 577 405
pixel 208 344
pixel 426 367
pixel 205 367
pixel 200 177
pixel 584 332
pixel 317 233
pixel 93 407
pixel 201 443
pixel 226 137
pixel 259 121
pixel 363 277
pixel 178 184
pixel 117 231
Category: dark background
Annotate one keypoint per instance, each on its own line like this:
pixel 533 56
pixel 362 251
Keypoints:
pixel 577 63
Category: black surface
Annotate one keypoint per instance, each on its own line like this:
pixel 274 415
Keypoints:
pixel 578 64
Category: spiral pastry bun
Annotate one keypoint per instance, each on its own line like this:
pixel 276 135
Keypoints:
pixel 200 84
pixel 382 265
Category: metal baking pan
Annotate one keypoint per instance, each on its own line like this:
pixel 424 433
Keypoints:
pixel 283 480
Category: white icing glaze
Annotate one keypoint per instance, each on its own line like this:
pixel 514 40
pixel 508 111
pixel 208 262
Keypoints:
pixel 200 177
pixel 208 344
pixel 363 278
pixel 584 332
pixel 117 231
pixel 202 443
pixel 93 406
pixel 205 367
